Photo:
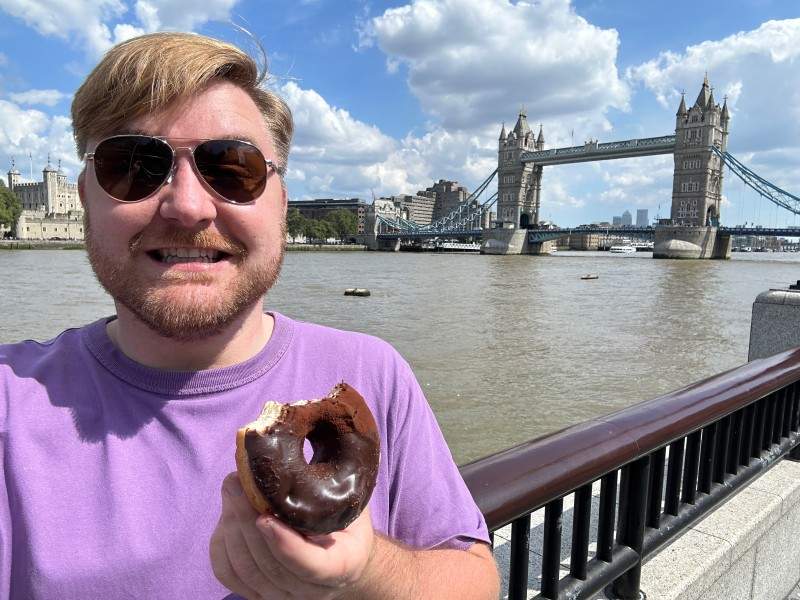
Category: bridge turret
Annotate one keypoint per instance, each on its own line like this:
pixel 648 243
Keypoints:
pixel 540 139
pixel 503 134
pixel 705 92
pixel 697 180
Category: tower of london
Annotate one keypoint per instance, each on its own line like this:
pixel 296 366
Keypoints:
pixel 51 208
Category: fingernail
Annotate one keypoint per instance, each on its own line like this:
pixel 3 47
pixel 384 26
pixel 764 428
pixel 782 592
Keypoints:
pixel 265 524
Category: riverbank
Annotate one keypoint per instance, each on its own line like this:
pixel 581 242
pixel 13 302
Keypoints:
pixel 79 245
pixel 41 245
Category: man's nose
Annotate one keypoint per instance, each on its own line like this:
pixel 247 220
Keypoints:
pixel 186 200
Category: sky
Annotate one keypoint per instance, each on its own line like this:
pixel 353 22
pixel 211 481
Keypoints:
pixel 389 97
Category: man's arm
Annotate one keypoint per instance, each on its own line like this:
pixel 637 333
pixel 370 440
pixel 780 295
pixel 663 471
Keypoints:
pixel 259 557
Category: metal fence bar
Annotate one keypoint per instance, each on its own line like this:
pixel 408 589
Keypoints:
pixel 769 421
pixel 520 554
pixel 749 420
pixel 605 522
pixel 581 520
pixel 780 417
pixel 722 449
pixel 758 432
pixel 707 451
pixel 632 508
pixel 690 468
pixel 656 487
pixel 674 468
pixel 737 433
pixel 551 553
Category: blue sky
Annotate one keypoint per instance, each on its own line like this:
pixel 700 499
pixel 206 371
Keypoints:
pixel 389 97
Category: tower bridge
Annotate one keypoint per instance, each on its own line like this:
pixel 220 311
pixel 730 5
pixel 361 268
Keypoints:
pixel 699 150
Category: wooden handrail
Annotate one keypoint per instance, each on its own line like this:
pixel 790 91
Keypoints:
pixel 513 482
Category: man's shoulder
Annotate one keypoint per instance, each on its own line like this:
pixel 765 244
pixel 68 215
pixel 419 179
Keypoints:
pixel 24 358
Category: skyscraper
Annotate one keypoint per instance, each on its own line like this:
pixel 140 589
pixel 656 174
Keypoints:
pixel 627 218
pixel 641 217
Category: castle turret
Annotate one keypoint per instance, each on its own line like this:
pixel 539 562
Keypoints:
pixel 14 176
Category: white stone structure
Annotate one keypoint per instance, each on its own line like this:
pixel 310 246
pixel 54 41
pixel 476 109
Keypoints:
pixel 51 208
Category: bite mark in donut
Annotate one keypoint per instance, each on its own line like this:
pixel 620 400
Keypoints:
pixel 327 493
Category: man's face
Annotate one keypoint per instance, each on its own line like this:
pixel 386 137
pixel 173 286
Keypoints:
pixel 188 297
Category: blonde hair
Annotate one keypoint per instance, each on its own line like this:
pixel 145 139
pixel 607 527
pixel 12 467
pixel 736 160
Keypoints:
pixel 146 74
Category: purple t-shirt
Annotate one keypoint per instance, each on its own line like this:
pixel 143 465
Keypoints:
pixel 113 470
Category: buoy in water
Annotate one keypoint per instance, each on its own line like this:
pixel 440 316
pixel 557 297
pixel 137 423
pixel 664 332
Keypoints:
pixel 357 292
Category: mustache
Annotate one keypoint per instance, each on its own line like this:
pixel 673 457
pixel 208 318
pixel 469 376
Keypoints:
pixel 172 237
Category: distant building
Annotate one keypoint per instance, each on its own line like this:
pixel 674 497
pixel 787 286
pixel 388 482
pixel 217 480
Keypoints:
pixel 320 207
pixel 415 208
pixel 641 217
pixel 51 208
pixel 627 218
pixel 616 221
pixel 447 195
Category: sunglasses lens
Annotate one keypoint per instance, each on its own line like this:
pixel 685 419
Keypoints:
pixel 132 167
pixel 235 170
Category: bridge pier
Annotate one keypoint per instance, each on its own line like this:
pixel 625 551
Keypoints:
pixel 504 240
pixel 390 245
pixel 680 241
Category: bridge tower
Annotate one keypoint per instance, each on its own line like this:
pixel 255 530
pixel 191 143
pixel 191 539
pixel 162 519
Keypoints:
pixel 697 179
pixel 519 184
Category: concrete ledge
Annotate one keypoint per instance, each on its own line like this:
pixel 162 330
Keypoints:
pixel 747 548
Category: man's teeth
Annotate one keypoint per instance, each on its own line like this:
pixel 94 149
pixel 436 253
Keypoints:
pixel 173 255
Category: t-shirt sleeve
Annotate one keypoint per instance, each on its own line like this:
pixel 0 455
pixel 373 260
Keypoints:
pixel 430 505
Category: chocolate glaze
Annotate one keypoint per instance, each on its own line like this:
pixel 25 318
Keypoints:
pixel 328 493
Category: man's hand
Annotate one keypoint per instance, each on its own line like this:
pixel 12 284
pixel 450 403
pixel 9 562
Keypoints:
pixel 257 556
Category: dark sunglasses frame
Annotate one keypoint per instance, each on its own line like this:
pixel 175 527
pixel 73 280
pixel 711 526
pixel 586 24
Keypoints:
pixel 191 147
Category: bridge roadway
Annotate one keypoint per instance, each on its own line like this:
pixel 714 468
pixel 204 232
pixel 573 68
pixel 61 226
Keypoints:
pixel 543 235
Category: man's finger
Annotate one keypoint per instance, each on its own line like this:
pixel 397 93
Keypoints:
pixel 223 570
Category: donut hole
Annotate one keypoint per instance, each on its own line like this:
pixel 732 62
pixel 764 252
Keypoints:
pixel 324 440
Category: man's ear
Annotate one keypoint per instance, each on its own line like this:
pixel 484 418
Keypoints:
pixel 82 188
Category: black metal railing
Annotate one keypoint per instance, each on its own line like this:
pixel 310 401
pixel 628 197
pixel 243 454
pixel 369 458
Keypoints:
pixel 661 465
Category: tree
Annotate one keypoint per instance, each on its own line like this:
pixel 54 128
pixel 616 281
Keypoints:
pixel 10 208
pixel 343 221
pixel 295 222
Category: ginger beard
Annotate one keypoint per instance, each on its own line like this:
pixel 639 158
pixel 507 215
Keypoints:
pixel 183 306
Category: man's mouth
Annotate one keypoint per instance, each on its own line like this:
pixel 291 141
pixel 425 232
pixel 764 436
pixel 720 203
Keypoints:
pixel 187 255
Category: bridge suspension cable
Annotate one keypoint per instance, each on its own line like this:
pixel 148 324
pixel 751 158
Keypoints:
pixel 462 217
pixel 768 190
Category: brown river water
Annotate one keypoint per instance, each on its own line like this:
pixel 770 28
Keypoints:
pixel 507 348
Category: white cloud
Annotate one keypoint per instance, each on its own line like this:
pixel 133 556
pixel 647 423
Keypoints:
pixel 101 23
pixel 44 97
pixel 29 136
pixel 474 62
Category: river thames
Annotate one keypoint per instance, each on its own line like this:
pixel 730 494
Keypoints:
pixel 507 348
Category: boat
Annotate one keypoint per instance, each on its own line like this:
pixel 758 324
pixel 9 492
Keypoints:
pixel 357 292
pixel 622 249
pixel 457 247
pixel 590 276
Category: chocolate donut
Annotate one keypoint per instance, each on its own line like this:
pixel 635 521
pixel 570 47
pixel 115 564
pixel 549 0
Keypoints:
pixel 329 492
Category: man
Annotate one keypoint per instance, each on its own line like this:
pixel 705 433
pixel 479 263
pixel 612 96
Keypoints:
pixel 117 437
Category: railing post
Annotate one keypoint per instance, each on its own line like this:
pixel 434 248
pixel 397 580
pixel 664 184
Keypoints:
pixel 520 548
pixel 632 509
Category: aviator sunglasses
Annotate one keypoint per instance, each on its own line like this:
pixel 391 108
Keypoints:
pixel 130 168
